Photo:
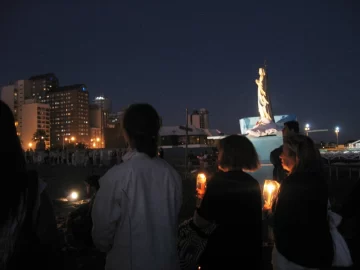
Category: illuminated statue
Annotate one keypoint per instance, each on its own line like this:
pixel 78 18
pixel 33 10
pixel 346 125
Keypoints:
pixel 263 99
pixel 266 125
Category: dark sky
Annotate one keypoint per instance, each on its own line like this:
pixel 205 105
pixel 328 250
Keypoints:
pixel 196 54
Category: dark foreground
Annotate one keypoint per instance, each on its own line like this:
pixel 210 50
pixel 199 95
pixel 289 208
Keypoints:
pixel 61 179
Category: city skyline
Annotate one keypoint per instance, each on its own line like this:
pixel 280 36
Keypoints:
pixel 198 55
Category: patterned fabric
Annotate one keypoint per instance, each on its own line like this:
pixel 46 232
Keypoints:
pixel 192 242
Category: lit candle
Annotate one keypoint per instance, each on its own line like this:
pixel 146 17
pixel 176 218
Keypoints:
pixel 270 192
pixel 200 184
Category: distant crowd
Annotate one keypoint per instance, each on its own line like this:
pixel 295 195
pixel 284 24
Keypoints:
pixel 96 157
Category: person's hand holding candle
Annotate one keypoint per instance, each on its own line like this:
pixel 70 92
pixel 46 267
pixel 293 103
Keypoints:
pixel 270 191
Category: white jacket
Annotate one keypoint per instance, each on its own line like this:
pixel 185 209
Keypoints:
pixel 135 214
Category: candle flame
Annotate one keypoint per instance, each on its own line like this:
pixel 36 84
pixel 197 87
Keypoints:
pixel 270 190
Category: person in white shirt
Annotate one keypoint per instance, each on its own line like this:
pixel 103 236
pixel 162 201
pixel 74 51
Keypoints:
pixel 135 213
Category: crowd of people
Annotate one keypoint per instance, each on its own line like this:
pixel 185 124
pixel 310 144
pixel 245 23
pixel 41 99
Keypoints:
pixel 76 157
pixel 134 212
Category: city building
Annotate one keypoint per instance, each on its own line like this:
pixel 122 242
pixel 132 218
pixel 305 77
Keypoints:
pixel 171 136
pixel 97 122
pixel 103 102
pixel 69 115
pixel 14 95
pixel 114 118
pixel 113 137
pixel 42 85
pixel 199 119
pixel 354 145
pixel 35 117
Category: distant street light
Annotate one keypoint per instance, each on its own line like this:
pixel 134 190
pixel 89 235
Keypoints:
pixel 30 145
pixel 337 130
pixel 307 128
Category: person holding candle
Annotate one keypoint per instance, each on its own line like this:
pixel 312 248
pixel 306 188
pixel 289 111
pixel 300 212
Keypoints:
pixel 279 173
pixel 233 202
pixel 301 227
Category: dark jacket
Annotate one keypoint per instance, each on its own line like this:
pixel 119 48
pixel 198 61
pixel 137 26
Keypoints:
pixel 279 173
pixel 351 213
pixel 233 201
pixel 37 243
pixel 301 227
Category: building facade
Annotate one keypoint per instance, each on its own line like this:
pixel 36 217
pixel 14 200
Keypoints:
pixel 114 118
pixel 69 115
pixel 35 116
pixel 199 119
pixel 97 121
pixel 42 85
pixel 171 136
pixel 14 95
pixel 103 102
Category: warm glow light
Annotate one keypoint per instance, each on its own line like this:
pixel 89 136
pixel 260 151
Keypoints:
pixel 201 177
pixel 73 138
pixel 97 139
pixel 74 195
pixel 94 144
pixel 30 145
pixel 200 185
pixel 270 191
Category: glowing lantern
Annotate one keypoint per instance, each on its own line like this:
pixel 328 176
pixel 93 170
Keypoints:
pixel 270 191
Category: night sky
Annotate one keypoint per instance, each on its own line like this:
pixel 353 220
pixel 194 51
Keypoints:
pixel 196 54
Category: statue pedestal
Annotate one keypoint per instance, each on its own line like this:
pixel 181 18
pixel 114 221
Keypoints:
pixel 264 146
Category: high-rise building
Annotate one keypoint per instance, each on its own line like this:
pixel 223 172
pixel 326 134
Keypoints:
pixel 35 117
pixel 199 119
pixel 42 85
pixel 103 102
pixel 114 118
pixel 69 115
pixel 14 95
pixel 97 121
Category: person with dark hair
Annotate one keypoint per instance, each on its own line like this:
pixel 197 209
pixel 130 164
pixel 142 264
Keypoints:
pixel 290 127
pixel 28 232
pixel 301 226
pixel 233 202
pixel 135 213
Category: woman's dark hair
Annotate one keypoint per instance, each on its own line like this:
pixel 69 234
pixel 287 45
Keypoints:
pixel 238 152
pixel 142 124
pixel 304 150
pixel 292 126
pixel 14 180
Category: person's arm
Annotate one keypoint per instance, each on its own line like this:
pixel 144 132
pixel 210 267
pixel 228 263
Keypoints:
pixel 106 212
pixel 275 156
pixel 210 203
pixel 46 227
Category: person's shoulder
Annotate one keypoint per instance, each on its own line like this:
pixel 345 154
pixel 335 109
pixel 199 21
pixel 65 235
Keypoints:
pixel 277 150
pixel 169 170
